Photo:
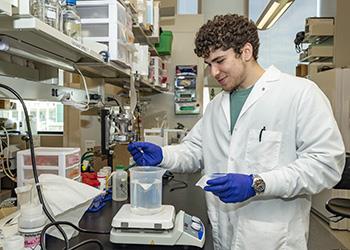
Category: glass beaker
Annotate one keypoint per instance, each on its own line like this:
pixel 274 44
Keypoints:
pixel 146 190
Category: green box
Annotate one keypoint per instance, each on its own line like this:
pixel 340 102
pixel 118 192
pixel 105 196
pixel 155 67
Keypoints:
pixel 165 43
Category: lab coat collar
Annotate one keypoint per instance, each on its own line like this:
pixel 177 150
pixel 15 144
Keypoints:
pixel 272 74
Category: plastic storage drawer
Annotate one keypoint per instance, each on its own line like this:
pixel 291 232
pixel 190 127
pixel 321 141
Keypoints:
pixel 61 161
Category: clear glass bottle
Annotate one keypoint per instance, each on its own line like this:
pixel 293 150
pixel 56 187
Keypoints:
pixel 71 20
pixel 48 11
pixel 52 11
pixel 120 184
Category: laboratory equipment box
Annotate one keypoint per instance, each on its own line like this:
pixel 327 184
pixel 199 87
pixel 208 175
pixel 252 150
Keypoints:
pixel 319 26
pixel 50 160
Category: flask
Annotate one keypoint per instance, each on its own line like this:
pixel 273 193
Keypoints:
pixel 71 20
pixel 30 224
pixel 120 184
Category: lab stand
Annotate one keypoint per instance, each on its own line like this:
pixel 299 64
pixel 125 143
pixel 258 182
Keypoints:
pixel 190 199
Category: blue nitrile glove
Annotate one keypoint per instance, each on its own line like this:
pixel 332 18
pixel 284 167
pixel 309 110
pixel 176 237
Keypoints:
pixel 231 188
pixel 146 153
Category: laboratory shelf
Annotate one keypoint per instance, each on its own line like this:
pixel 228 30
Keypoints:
pixel 147 86
pixel 35 34
pixel 131 7
pixel 317 53
pixel 317 39
pixel 142 38
pixel 153 39
pixel 143 85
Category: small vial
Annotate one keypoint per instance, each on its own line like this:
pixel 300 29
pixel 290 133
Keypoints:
pixel 120 184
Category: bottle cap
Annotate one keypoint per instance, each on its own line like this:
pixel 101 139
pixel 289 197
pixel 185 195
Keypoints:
pixel 121 167
pixel 71 2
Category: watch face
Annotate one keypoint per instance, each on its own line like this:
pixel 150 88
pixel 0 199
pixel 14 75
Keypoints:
pixel 259 185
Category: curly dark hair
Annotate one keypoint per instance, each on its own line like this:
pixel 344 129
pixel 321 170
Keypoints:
pixel 225 32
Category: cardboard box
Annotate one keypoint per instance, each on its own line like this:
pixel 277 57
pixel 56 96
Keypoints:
pixel 301 70
pixel 5 104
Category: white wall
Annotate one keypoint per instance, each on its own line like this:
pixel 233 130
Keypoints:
pixel 184 30
pixel 210 8
pixel 326 8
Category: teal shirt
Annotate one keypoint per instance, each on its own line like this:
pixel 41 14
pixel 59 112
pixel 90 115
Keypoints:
pixel 237 100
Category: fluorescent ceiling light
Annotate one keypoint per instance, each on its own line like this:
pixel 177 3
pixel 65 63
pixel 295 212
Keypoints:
pixel 272 12
pixel 268 14
pixel 279 14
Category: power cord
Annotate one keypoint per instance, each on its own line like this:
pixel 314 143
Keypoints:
pixel 32 154
pixel 42 235
pixel 169 176
pixel 67 99
pixel 38 187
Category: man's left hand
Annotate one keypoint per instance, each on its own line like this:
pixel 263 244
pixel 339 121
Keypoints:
pixel 232 188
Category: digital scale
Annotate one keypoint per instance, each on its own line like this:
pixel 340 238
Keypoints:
pixel 162 228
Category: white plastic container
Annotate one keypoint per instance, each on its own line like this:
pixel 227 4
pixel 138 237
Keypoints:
pixel 141 60
pixel 107 22
pixel 30 224
pixel 120 184
pixel 61 161
pixel 14 242
pixel 102 177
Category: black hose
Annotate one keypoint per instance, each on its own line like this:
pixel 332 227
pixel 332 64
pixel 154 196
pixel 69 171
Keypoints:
pixel 32 154
pixel 56 223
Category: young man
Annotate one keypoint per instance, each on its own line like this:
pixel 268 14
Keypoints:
pixel 273 134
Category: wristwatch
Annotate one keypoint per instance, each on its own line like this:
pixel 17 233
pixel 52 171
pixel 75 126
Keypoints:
pixel 258 184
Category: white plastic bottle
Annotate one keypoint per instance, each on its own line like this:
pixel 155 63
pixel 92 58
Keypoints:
pixel 120 184
pixel 30 224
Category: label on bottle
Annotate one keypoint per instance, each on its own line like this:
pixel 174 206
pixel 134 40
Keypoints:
pixel 31 238
pixel 124 187
pixel 51 13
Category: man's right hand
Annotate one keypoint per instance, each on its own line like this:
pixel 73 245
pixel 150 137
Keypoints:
pixel 145 153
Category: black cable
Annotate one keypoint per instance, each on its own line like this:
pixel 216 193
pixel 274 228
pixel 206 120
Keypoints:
pixel 185 185
pixel 32 154
pixel 169 176
pixel 36 179
pixel 87 242
pixel 56 223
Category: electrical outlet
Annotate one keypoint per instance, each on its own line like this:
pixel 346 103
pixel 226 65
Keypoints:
pixel 89 145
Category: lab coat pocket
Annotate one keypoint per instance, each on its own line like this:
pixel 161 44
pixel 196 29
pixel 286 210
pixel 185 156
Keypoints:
pixel 253 234
pixel 263 149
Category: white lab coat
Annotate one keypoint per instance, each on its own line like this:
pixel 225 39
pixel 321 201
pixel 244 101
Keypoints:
pixel 301 152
